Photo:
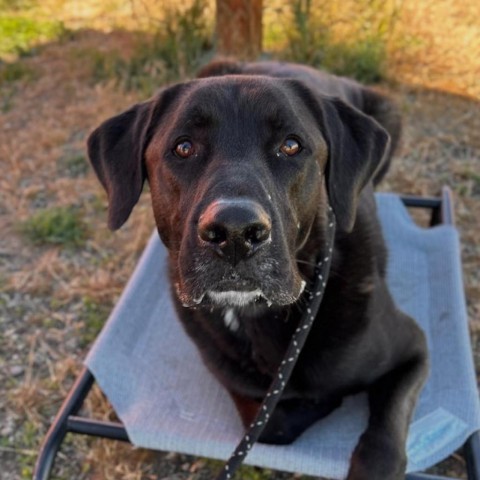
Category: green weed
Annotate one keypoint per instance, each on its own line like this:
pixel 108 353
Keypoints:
pixel 307 39
pixel 56 226
pixel 12 72
pixel 94 316
pixel 28 440
pixel 104 66
pixel 320 37
pixel 29 435
pixel 18 35
pixel 364 60
pixel 174 51
pixel 6 100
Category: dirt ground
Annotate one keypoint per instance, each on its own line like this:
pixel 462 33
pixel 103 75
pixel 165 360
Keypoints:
pixel 53 299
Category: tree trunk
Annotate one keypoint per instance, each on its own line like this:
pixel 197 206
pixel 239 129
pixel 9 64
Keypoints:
pixel 239 28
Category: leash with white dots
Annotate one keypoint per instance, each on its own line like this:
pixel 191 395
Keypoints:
pixel 290 359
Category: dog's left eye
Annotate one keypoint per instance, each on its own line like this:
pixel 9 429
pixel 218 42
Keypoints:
pixel 290 147
pixel 184 149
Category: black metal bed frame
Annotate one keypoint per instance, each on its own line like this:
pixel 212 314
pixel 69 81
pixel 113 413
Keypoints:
pixel 67 419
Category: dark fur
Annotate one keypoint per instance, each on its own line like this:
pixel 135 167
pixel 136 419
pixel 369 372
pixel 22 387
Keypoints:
pixel 237 117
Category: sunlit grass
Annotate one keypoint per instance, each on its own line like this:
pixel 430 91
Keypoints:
pixel 350 39
pixel 18 34
pixel 171 53
pixel 421 42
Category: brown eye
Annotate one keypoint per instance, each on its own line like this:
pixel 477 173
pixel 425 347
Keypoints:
pixel 184 149
pixel 290 147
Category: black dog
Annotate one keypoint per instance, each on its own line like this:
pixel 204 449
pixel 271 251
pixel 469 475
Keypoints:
pixel 241 166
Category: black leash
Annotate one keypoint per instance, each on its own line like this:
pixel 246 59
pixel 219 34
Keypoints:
pixel 290 359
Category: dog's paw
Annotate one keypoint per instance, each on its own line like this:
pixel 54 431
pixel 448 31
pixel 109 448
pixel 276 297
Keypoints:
pixel 292 417
pixel 377 457
pixel 278 432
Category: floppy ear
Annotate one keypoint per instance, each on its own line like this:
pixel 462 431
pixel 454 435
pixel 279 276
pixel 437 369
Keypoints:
pixel 357 144
pixel 116 150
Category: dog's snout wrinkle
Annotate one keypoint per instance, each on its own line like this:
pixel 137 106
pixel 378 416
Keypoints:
pixel 235 229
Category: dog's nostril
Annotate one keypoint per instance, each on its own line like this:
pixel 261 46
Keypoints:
pixel 257 233
pixel 213 233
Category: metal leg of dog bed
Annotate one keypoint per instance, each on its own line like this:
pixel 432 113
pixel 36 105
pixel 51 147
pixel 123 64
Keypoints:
pixel 58 429
pixel 66 421
pixel 426 476
pixel 441 207
pixel 471 451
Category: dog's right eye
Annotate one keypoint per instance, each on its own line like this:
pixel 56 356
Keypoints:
pixel 290 147
pixel 184 149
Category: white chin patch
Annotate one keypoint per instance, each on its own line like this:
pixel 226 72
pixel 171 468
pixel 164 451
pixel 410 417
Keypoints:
pixel 233 298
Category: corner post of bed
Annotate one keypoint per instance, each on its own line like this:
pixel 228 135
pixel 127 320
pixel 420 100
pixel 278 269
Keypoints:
pixel 59 427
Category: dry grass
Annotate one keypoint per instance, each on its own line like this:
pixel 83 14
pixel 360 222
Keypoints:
pixel 53 299
pixel 431 44
pixel 440 41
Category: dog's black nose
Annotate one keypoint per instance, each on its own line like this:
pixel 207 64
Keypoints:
pixel 234 228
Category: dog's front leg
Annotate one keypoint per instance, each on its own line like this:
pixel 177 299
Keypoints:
pixel 380 453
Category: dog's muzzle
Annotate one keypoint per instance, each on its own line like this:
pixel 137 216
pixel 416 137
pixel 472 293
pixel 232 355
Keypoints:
pixel 234 259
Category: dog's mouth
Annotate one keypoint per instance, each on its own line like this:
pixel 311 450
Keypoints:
pixel 227 294
pixel 241 294
pixel 237 298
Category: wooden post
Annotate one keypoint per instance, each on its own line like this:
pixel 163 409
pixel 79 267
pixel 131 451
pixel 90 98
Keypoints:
pixel 239 28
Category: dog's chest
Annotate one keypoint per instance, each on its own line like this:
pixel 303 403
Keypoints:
pixel 259 343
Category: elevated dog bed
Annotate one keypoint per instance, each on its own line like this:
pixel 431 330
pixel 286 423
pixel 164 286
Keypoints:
pixel 167 400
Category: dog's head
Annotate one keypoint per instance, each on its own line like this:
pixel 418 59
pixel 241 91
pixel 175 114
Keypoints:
pixel 240 168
